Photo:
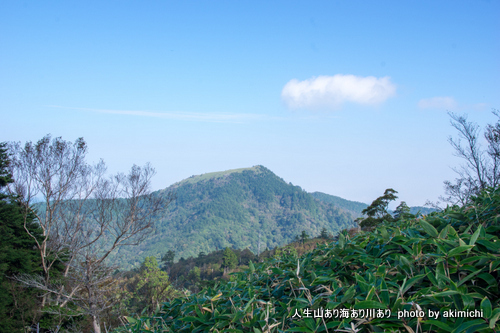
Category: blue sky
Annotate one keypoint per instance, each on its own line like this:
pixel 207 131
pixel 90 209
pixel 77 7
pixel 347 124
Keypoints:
pixel 344 97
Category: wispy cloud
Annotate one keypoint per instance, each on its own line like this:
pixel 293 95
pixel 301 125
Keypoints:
pixel 185 116
pixel 331 92
pixel 450 104
pixel 443 103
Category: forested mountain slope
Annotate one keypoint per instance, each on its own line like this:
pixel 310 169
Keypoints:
pixel 438 273
pixel 242 208
pixel 355 207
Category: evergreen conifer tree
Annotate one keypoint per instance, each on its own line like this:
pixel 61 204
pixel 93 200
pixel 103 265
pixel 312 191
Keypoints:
pixel 18 306
pixel 377 211
pixel 304 236
pixel 229 259
pixel 324 233
pixel 402 211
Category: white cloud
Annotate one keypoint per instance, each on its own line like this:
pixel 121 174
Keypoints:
pixel 186 116
pixel 445 103
pixel 332 91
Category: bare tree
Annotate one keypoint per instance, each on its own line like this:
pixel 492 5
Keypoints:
pixel 492 136
pixel 84 216
pixel 481 168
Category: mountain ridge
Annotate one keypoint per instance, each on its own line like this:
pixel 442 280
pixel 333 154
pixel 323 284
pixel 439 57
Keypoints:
pixel 356 207
pixel 241 208
pixel 211 175
pixel 245 208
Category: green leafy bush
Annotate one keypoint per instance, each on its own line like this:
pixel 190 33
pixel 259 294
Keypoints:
pixel 446 261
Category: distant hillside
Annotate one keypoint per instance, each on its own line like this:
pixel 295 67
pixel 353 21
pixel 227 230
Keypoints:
pixel 422 210
pixel 354 207
pixel 242 208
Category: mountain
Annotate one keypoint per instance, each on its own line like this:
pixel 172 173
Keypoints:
pixel 242 208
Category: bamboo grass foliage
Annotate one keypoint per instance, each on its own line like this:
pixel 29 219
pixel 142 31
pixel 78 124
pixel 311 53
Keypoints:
pixel 447 262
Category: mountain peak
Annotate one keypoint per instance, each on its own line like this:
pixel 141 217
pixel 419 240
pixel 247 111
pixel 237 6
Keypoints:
pixel 218 174
pixel 249 208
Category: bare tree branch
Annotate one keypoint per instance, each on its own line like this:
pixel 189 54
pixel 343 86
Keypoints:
pixel 84 216
pixel 481 168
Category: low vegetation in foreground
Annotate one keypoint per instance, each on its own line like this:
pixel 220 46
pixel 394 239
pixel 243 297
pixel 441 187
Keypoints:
pixel 414 270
